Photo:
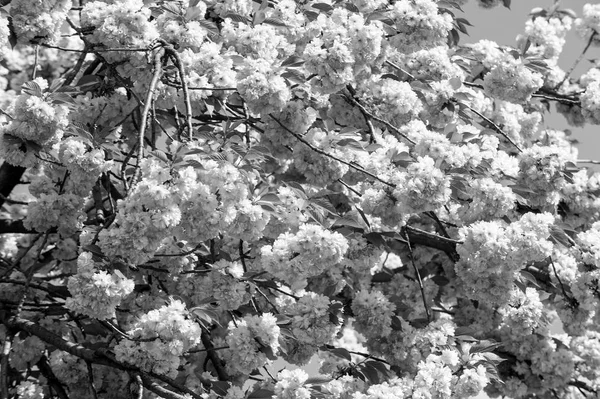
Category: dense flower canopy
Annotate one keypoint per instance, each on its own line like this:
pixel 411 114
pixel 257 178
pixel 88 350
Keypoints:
pixel 200 198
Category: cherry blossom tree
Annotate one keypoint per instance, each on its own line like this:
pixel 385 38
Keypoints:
pixel 199 198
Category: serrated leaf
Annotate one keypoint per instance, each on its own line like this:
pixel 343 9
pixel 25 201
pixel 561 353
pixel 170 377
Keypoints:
pixel 341 353
pixel 210 26
pixel 237 18
pixel 262 394
pixel 220 387
pixel 485 346
pixel 370 373
pixel 324 7
pixel 293 61
pixel 274 22
pixel 283 319
pixel 529 277
pixel 56 84
pixel 317 380
pixel 32 88
pixel 161 155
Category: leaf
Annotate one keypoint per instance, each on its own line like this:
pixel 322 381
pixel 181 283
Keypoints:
pixel 342 353
pixel 485 346
pixel 370 373
pixel 529 277
pixel 274 22
pixel 262 394
pixel 324 7
pixel 31 88
pixel 56 84
pixel 318 380
pixel 463 21
pixel 161 155
pixel 210 26
pixel 506 3
pixel 282 319
pixel 396 323
pixel 293 61
pixel 220 387
pixel 379 366
pixel 294 76
pixel 237 18
pixel 440 280
pixel 173 8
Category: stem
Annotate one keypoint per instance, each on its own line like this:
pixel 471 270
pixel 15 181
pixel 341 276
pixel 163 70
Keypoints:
pixel 35 61
pixel 73 74
pixel 376 118
pixel 578 60
pixel 210 349
pixel 146 110
pixel 572 301
pixel 495 127
pixel 412 261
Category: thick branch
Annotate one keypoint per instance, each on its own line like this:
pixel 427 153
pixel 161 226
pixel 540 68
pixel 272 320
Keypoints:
pixel 214 358
pixel 145 111
pixel 92 356
pixel 54 382
pixel 431 240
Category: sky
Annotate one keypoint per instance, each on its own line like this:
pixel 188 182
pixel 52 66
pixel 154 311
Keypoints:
pixel 503 25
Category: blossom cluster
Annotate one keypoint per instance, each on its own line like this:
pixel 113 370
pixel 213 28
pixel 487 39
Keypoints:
pixel 94 292
pixel 309 252
pixel 158 339
pixel 493 252
pixel 36 123
pixel 250 340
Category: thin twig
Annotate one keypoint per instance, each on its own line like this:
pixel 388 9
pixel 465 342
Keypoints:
pixel 73 73
pixel 390 63
pixel 242 256
pixel 91 380
pixel 186 95
pixel 318 150
pixel 35 61
pixel 267 299
pixel 588 161
pixel 563 100
pixel 572 301
pixel 418 274
pixel 494 126
pixel 578 60
pixel 378 119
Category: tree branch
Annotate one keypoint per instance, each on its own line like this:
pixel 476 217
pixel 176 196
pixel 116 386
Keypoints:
pixel 214 358
pixel 142 132
pixel 319 151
